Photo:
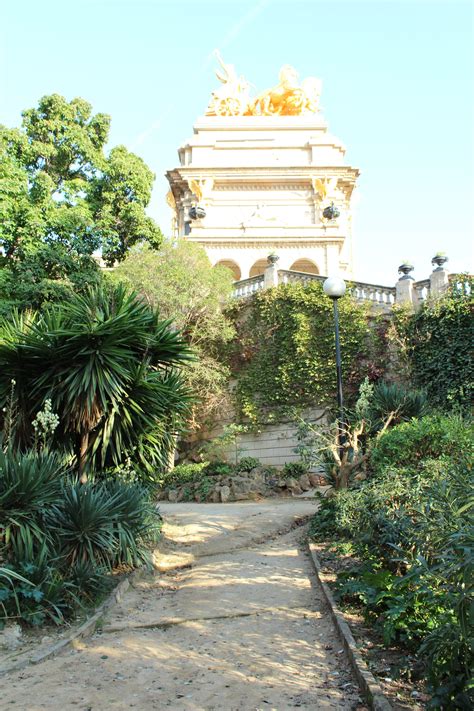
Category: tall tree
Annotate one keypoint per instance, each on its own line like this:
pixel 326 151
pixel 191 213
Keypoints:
pixel 179 280
pixel 58 186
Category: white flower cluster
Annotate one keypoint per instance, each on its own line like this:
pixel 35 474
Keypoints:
pixel 45 421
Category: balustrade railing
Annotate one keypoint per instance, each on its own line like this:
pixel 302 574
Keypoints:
pixel 374 293
pixel 382 297
pixel 422 290
pixel 247 287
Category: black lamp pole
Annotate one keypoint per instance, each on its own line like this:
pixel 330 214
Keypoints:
pixel 340 401
pixel 335 287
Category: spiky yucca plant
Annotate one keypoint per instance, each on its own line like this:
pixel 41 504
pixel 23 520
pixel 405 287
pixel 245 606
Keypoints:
pixel 110 367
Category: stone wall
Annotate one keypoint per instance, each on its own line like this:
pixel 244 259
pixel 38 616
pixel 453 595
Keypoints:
pixel 274 444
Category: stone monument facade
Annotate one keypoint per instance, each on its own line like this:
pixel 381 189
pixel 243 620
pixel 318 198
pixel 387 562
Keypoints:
pixel 264 176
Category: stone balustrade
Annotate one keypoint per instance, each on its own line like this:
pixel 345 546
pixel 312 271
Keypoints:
pixel 406 291
pixel 247 287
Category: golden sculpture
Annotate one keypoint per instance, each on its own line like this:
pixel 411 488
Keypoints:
pixel 232 98
pixel 325 188
pixel 171 202
pixel 287 98
pixel 202 189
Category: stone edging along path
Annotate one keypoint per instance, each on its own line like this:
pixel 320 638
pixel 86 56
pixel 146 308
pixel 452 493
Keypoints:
pixel 83 631
pixel 368 684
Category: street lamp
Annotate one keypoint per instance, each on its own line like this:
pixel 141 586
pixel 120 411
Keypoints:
pixel 334 287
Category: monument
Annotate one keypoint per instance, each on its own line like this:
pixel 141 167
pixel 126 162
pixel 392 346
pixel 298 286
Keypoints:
pixel 264 176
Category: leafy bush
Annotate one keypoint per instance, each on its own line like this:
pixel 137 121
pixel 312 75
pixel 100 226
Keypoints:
pixel 284 352
pixel 40 592
pixel 430 437
pixel 184 473
pixel 220 469
pixel 412 530
pixel 246 464
pixel 122 398
pixel 295 469
pixel 136 522
pixel 29 484
pixel 59 539
pixel 437 341
pixel 393 397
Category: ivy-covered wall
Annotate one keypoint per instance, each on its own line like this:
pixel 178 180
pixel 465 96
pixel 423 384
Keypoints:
pixel 438 344
pixel 284 354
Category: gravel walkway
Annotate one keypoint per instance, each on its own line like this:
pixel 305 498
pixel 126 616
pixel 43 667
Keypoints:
pixel 234 622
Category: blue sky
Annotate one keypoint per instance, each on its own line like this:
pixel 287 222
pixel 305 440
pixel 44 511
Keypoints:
pixel 397 89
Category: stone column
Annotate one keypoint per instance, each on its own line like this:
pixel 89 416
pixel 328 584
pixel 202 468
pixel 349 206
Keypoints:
pixel 404 286
pixel 439 279
pixel 270 277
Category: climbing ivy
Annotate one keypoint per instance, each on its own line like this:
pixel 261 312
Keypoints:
pixel 438 342
pixel 285 352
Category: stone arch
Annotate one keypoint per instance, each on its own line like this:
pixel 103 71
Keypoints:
pixel 232 266
pixel 304 265
pixel 258 267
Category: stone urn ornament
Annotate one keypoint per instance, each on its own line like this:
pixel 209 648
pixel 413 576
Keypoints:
pixel 405 269
pixel 273 258
pixel 197 212
pixel 331 212
pixel 440 260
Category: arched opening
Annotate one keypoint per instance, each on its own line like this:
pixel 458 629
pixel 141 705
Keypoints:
pixel 259 267
pixel 304 265
pixel 232 266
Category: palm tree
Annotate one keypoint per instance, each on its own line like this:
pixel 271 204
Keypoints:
pixel 111 369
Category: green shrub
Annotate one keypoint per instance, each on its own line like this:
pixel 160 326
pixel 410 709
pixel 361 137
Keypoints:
pixel 41 591
pixel 295 469
pixel 136 522
pixel 220 469
pixel 246 464
pixel 59 539
pixel 430 437
pixel 393 397
pixel 183 474
pixel 437 340
pixel 29 484
pixel 412 531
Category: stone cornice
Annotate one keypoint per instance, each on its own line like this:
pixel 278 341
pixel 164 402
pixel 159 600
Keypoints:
pixel 267 243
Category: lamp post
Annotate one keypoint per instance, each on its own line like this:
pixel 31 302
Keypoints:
pixel 334 287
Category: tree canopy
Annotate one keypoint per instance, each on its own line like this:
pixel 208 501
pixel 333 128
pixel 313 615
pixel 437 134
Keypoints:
pixel 180 282
pixel 59 187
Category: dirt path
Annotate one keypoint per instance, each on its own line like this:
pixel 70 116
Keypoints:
pixel 242 628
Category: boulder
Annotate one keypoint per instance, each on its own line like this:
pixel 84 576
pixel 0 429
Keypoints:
pixel 314 479
pixel 10 637
pixel 225 494
pixel 304 482
pixel 296 490
pixel 216 496
pixel 173 495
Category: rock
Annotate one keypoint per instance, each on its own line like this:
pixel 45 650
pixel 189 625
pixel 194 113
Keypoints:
pixel 291 483
pixel 296 490
pixel 173 495
pixel 241 496
pixel 314 479
pixel 216 496
pixel 362 476
pixel 225 494
pixel 241 487
pixel 304 482
pixel 10 637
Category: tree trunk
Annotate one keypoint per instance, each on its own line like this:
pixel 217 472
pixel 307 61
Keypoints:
pixel 81 459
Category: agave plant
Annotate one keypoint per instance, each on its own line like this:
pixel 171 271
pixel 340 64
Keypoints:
pixel 29 485
pixel 82 522
pixel 109 366
pixel 405 403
